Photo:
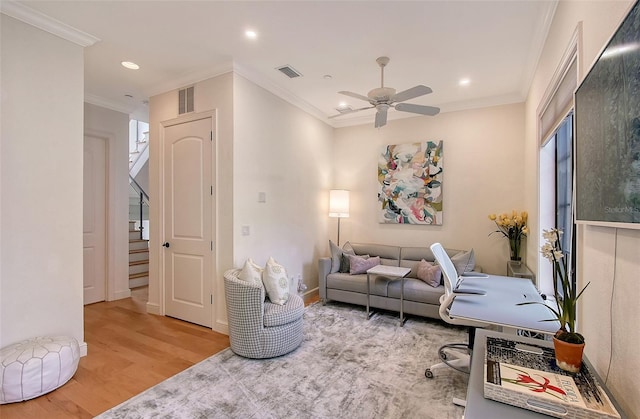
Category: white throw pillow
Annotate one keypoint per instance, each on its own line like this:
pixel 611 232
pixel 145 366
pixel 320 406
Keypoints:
pixel 251 273
pixel 276 282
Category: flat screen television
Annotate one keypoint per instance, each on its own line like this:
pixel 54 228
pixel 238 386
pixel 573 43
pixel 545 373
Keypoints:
pixel 607 129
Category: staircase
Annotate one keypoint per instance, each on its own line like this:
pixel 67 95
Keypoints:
pixel 138 258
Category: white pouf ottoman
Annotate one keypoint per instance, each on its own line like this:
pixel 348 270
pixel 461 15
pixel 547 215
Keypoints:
pixel 33 367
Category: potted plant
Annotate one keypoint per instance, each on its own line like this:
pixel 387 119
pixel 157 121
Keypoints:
pixel 514 228
pixel 567 342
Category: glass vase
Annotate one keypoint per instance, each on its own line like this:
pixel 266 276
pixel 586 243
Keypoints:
pixel 514 246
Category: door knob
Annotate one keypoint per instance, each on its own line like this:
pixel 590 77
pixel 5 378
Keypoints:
pixel 166 244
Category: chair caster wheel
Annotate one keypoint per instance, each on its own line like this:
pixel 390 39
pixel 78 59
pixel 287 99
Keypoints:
pixel 443 355
pixel 428 373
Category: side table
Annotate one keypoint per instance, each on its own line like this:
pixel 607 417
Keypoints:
pixel 520 270
pixel 393 272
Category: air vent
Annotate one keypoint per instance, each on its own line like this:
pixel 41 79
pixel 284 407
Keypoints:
pixel 344 109
pixel 185 100
pixel 289 71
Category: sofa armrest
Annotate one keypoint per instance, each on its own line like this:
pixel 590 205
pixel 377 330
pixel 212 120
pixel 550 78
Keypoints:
pixel 324 269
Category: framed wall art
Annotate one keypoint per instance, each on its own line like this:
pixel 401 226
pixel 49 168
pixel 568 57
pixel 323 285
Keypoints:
pixel 410 183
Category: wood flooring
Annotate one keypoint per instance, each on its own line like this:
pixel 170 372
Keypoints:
pixel 129 352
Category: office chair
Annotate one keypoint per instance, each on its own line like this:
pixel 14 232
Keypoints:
pixel 457 360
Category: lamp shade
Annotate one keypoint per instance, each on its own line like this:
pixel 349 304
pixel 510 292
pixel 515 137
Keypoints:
pixel 338 203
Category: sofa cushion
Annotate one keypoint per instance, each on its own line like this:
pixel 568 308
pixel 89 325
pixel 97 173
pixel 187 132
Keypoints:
pixel 389 255
pixel 410 256
pixel 429 273
pixel 360 264
pixel 358 283
pixel 416 290
pixel 277 315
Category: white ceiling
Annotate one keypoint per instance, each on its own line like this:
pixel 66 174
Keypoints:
pixel 494 43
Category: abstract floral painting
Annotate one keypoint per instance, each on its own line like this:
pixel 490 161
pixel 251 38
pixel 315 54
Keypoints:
pixel 410 179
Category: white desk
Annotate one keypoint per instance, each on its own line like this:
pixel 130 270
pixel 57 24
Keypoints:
pixel 499 304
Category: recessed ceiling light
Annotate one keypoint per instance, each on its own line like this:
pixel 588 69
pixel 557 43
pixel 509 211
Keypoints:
pixel 327 77
pixel 464 82
pixel 250 34
pixel 130 65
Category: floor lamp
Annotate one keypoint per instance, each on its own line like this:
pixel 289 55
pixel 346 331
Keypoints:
pixel 338 206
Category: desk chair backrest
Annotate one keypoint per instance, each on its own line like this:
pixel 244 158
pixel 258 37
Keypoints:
pixel 449 273
pixel 450 279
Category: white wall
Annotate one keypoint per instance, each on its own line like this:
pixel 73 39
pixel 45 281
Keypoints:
pixel 285 153
pixel 264 144
pixel 114 126
pixel 41 185
pixel 215 94
pixel 482 174
pixel 609 258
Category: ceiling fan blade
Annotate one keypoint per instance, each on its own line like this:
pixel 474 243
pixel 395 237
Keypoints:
pixel 381 117
pixel 423 110
pixel 350 111
pixel 416 91
pixel 355 95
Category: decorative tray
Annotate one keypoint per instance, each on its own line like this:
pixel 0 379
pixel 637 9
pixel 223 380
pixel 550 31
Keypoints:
pixel 526 376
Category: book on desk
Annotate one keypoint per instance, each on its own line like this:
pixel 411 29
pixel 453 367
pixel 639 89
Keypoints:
pixel 526 376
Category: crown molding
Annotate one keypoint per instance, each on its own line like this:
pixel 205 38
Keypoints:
pixel 188 78
pixel 105 103
pixel 48 24
pixel 280 92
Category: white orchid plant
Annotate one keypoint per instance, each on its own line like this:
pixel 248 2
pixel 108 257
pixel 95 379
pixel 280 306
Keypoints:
pixel 564 287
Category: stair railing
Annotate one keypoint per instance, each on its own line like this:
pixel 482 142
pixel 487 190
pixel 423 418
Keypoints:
pixel 143 203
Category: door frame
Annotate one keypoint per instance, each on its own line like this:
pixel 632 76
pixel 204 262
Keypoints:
pixel 160 223
pixel 110 225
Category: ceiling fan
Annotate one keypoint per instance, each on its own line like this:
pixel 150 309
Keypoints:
pixel 382 98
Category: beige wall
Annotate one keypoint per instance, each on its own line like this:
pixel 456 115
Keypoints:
pixel 41 185
pixel 482 174
pixel 607 257
pixel 114 126
pixel 285 153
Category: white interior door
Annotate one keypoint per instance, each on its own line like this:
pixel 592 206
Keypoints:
pixel 95 219
pixel 188 254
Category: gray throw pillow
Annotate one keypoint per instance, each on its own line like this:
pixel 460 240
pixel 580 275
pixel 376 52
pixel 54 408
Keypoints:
pixel 336 257
pixel 464 262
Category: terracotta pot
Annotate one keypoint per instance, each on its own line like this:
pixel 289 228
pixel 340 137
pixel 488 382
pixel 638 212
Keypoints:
pixel 568 355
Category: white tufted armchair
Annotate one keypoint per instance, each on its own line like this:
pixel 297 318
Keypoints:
pixel 259 328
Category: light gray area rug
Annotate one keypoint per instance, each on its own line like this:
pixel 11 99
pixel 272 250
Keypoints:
pixel 346 367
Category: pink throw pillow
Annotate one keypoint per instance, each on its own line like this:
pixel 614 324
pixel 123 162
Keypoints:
pixel 360 265
pixel 429 273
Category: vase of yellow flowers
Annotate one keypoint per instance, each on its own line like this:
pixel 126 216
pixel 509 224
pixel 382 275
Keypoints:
pixel 514 228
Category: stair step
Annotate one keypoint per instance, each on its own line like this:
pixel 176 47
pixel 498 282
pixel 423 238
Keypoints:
pixel 137 268
pixel 138 280
pixel 138 244
pixel 134 234
pixel 138 275
pixel 139 254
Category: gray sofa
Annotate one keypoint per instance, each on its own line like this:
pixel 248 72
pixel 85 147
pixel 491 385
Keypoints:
pixel 420 298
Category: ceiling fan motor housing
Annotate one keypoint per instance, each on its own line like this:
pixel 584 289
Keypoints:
pixel 381 94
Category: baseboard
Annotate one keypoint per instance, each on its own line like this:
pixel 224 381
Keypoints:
pixel 311 295
pixel 153 308
pixel 121 294
pixel 221 327
pixel 83 349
